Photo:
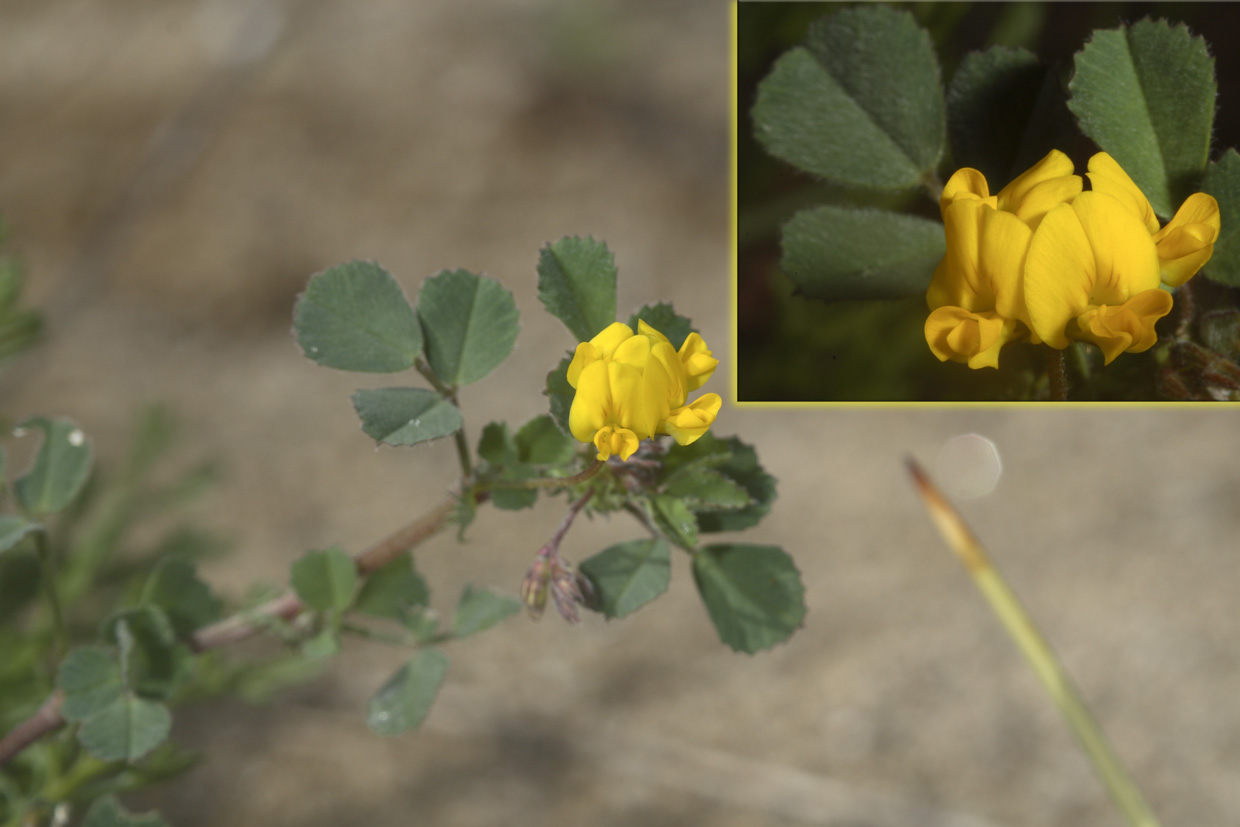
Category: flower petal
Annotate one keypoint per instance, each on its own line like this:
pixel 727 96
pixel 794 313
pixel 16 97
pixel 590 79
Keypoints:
pixel 592 404
pixel 1187 242
pixel 975 338
pixel 585 354
pixel 1124 253
pixel 698 360
pixel 1059 274
pixel 611 440
pixel 965 183
pixel 1107 176
pixel 687 424
pixel 981 268
pixel 1055 165
pixel 1126 327
pixel 610 337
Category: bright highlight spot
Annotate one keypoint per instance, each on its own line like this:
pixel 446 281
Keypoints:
pixel 76 437
pixel 969 466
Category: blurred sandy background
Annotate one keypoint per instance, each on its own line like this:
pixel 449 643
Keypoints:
pixel 174 171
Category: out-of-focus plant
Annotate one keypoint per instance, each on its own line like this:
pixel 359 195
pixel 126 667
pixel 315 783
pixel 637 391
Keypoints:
pixel 101 640
pixel 860 106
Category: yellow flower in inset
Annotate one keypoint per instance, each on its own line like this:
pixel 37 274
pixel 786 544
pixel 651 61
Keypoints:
pixel 1029 197
pixel 631 386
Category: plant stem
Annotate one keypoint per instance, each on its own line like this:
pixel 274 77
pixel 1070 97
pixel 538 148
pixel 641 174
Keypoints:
pixel 1020 626
pixel 1057 374
pixel 47 578
pixel 448 393
pixel 549 482
pixel 33 728
pixel 86 768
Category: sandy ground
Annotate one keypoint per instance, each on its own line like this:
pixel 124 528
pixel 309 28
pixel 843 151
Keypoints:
pixel 174 171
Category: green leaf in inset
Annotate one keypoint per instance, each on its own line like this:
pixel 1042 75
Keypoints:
pixel 393 590
pixel 1145 94
pixel 497 446
pixel 325 580
pixel 90 678
pixel 405 416
pixel 662 317
pixel 175 587
pixel 60 468
pixel 541 442
pixel 741 467
pixel 577 284
pixel 126 729
pixel 480 609
pixel 155 664
pixel 860 104
pixel 1222 180
pixel 836 253
pixel 470 324
pixel 705 489
pixel 13 530
pixel 356 317
pixel 753 593
pixel 107 812
pixel 673 516
pixel 1005 111
pixel 401 704
pixel 560 393
pixel 629 575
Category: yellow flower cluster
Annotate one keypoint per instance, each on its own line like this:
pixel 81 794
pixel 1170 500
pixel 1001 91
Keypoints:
pixel 1045 261
pixel 631 386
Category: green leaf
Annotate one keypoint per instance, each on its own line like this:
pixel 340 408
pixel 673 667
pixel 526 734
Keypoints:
pixel 393 590
pixel 742 467
pixel 577 284
pixel 13 530
pixel 836 253
pixel 401 704
pixel 90 678
pixel 405 416
pixel 707 489
pixel 497 445
pixel 1222 180
pixel 20 577
pixel 1145 94
pixel 515 499
pixel 673 516
pixel 175 587
pixel 126 729
pixel 107 812
pixel 470 324
pixel 355 317
pixel 321 646
pixel 753 593
pixel 629 575
pixel 60 468
pixel 1005 111
pixel 860 104
pixel 662 317
pixel 325 580
pixel 541 442
pixel 480 609
pixel 155 663
pixel 560 394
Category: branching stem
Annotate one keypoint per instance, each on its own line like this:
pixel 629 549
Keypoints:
pixel 1057 374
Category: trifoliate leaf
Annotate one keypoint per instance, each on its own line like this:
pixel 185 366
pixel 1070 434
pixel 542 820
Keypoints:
pixel 497 445
pixel 126 729
pixel 356 317
pixel 325 580
pixel 741 467
pixel 540 442
pixel 175 587
pixel 1145 94
pixel 480 609
pixel 629 575
pixel 577 284
pixel 155 664
pixel 405 416
pixel 402 703
pixel 705 489
pixel 753 593
pixel 860 104
pixel 673 516
pixel 60 468
pixel 470 325
pixel 836 253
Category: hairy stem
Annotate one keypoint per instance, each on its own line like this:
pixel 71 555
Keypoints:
pixel 1056 372
pixel 448 393
pixel 1037 652
pixel 549 482
pixel 245 624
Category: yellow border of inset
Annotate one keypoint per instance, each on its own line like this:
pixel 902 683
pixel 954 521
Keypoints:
pixel 733 240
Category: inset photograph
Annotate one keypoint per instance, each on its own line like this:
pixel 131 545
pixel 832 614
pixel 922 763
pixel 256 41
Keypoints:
pixel 945 202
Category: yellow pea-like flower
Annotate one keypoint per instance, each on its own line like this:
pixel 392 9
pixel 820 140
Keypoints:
pixel 632 386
